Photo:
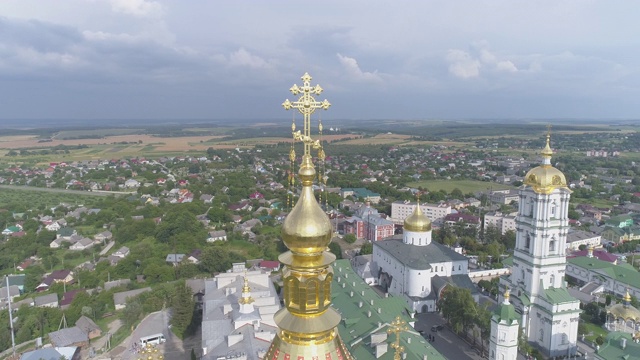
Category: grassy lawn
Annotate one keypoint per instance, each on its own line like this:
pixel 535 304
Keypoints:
pixel 595 202
pixel 243 247
pixel 466 186
pixel 593 331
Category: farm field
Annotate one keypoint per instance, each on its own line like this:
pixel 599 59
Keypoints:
pixel 397 139
pixel 131 145
pixel 43 197
pixel 466 186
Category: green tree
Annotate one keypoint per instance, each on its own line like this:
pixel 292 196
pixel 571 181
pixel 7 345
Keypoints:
pixel 336 250
pixel 350 238
pixel 366 249
pixel 132 312
pixel 458 307
pixel 215 259
pixel 183 306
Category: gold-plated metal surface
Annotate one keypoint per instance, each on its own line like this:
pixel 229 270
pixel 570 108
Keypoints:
pixel 307 323
pixel 397 327
pixel 418 221
pixel 246 292
pixel 545 178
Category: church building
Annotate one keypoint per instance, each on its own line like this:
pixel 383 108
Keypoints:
pixel 549 313
pixel 416 268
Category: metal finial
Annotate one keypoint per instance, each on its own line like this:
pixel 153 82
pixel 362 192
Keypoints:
pixel 396 327
pixel 306 105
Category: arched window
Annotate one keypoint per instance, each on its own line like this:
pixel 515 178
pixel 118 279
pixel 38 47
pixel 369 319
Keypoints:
pixel 552 246
pixel 527 241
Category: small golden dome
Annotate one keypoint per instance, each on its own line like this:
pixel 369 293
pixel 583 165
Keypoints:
pixel 417 222
pixel 307 229
pixel 627 297
pixel 545 178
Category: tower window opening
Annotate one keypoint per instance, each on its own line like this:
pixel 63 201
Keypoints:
pixel 552 245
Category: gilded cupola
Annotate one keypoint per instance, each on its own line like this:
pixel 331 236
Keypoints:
pixel 418 221
pixel 545 178
pixel 307 229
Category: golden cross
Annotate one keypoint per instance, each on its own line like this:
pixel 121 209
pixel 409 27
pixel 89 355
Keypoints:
pixel 306 105
pixel 548 130
pixel 397 326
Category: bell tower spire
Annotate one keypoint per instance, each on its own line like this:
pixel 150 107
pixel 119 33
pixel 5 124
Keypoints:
pixel 307 324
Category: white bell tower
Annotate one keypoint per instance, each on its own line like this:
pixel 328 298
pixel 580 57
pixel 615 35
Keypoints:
pixel 538 291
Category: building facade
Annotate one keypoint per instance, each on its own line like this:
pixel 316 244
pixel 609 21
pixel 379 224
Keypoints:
pixel 401 210
pixel 503 222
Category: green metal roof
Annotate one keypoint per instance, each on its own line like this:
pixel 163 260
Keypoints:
pixel 559 296
pixel 17 280
pixel 358 324
pixel 508 262
pixel 622 274
pixel 611 348
pixel 506 313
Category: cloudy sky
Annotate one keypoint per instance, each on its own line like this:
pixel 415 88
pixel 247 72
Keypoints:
pixel 197 59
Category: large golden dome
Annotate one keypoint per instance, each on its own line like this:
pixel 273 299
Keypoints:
pixel 625 311
pixel 418 221
pixel 307 229
pixel 545 178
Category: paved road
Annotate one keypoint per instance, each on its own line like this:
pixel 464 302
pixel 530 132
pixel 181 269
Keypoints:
pixel 446 342
pixel 157 322
pixel 450 345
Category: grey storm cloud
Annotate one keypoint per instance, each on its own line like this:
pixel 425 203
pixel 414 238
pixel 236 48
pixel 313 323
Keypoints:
pixel 388 59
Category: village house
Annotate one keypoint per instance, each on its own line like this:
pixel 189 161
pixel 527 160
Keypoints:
pixel 72 336
pixel 49 300
pixel 217 235
pixel 120 299
pixel 58 276
pixel 82 244
pixel 103 236
pixel 88 327
pixel 175 259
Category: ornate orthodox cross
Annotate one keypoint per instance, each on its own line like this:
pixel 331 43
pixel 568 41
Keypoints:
pixel 397 326
pixel 306 105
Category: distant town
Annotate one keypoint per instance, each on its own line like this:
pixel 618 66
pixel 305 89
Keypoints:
pixel 166 241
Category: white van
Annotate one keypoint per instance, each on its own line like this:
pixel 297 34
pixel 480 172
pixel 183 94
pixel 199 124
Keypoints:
pixel 152 339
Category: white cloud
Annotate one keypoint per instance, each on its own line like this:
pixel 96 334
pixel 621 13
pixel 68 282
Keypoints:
pixel 244 58
pixel 465 65
pixel 351 66
pixel 462 64
pixel 137 7
pixel 506 65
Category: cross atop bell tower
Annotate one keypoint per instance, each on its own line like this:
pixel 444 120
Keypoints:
pixel 306 105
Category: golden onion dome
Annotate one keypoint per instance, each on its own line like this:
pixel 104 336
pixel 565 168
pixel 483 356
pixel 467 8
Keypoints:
pixel 417 222
pixel 623 311
pixel 307 229
pixel 545 178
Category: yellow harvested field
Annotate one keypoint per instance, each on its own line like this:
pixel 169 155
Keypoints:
pixel 160 144
pixel 8 139
pixel 170 144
